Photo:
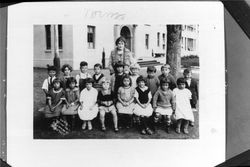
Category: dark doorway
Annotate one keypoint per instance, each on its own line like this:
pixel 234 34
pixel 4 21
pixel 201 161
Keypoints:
pixel 125 32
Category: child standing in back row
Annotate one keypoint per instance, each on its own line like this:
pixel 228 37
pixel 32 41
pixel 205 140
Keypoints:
pixel 81 78
pixel 183 112
pixel 152 81
pixel 135 68
pixel 165 73
pixel 98 76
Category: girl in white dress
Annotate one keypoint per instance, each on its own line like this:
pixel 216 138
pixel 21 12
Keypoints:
pixel 89 108
pixel 183 112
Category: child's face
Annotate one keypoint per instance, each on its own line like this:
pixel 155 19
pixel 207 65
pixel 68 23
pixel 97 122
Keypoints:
pixel 105 85
pixel 56 85
pixel 119 69
pixel 84 69
pixel 72 85
pixel 181 86
pixel 88 86
pixel 141 84
pixel 188 75
pixel 97 70
pixel 165 86
pixel 120 45
pixel 135 71
pixel 151 74
pixel 67 71
pixel 52 73
pixel 165 71
pixel 126 81
pixel 126 69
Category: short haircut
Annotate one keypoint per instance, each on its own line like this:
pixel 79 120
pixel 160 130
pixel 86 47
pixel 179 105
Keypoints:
pixel 83 63
pixel 135 66
pixel 89 80
pixel 180 81
pixel 66 66
pixel 98 65
pixel 119 64
pixel 126 76
pixel 165 66
pixel 57 80
pixel 141 78
pixel 70 80
pixel 151 69
pixel 164 80
pixel 51 68
pixel 120 39
pixel 187 70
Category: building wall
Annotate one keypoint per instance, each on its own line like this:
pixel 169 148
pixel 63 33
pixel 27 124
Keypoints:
pixel 42 57
pixel 194 35
pixel 104 39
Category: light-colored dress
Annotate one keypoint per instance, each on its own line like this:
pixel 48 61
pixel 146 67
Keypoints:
pixel 134 78
pixel 126 95
pixel 183 107
pixel 89 99
pixel 143 96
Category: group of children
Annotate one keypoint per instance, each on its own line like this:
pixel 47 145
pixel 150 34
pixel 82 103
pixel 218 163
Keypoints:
pixel 133 100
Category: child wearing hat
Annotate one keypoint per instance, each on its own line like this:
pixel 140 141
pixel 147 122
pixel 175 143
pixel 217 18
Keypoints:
pixel 106 103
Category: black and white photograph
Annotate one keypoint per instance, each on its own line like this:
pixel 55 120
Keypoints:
pixel 142 81
pixel 116 84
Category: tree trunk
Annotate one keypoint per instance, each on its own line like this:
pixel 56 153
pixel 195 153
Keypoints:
pixel 174 48
pixel 56 60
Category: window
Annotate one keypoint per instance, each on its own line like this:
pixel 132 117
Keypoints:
pixel 158 39
pixel 163 41
pixel 147 41
pixel 91 37
pixel 60 43
pixel 48 36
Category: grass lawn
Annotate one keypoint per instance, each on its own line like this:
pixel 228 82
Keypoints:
pixel 132 133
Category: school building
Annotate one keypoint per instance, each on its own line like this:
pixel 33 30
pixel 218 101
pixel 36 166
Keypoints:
pixel 78 43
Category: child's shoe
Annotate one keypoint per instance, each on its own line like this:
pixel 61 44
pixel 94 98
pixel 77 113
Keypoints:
pixel 89 126
pixel 116 130
pixel 149 132
pixel 143 132
pixel 178 130
pixel 103 128
pixel 191 123
pixel 185 130
pixel 84 126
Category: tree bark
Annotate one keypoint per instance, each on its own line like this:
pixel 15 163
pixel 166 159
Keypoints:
pixel 173 57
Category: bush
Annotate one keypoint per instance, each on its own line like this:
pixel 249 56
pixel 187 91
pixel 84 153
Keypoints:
pixel 192 60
